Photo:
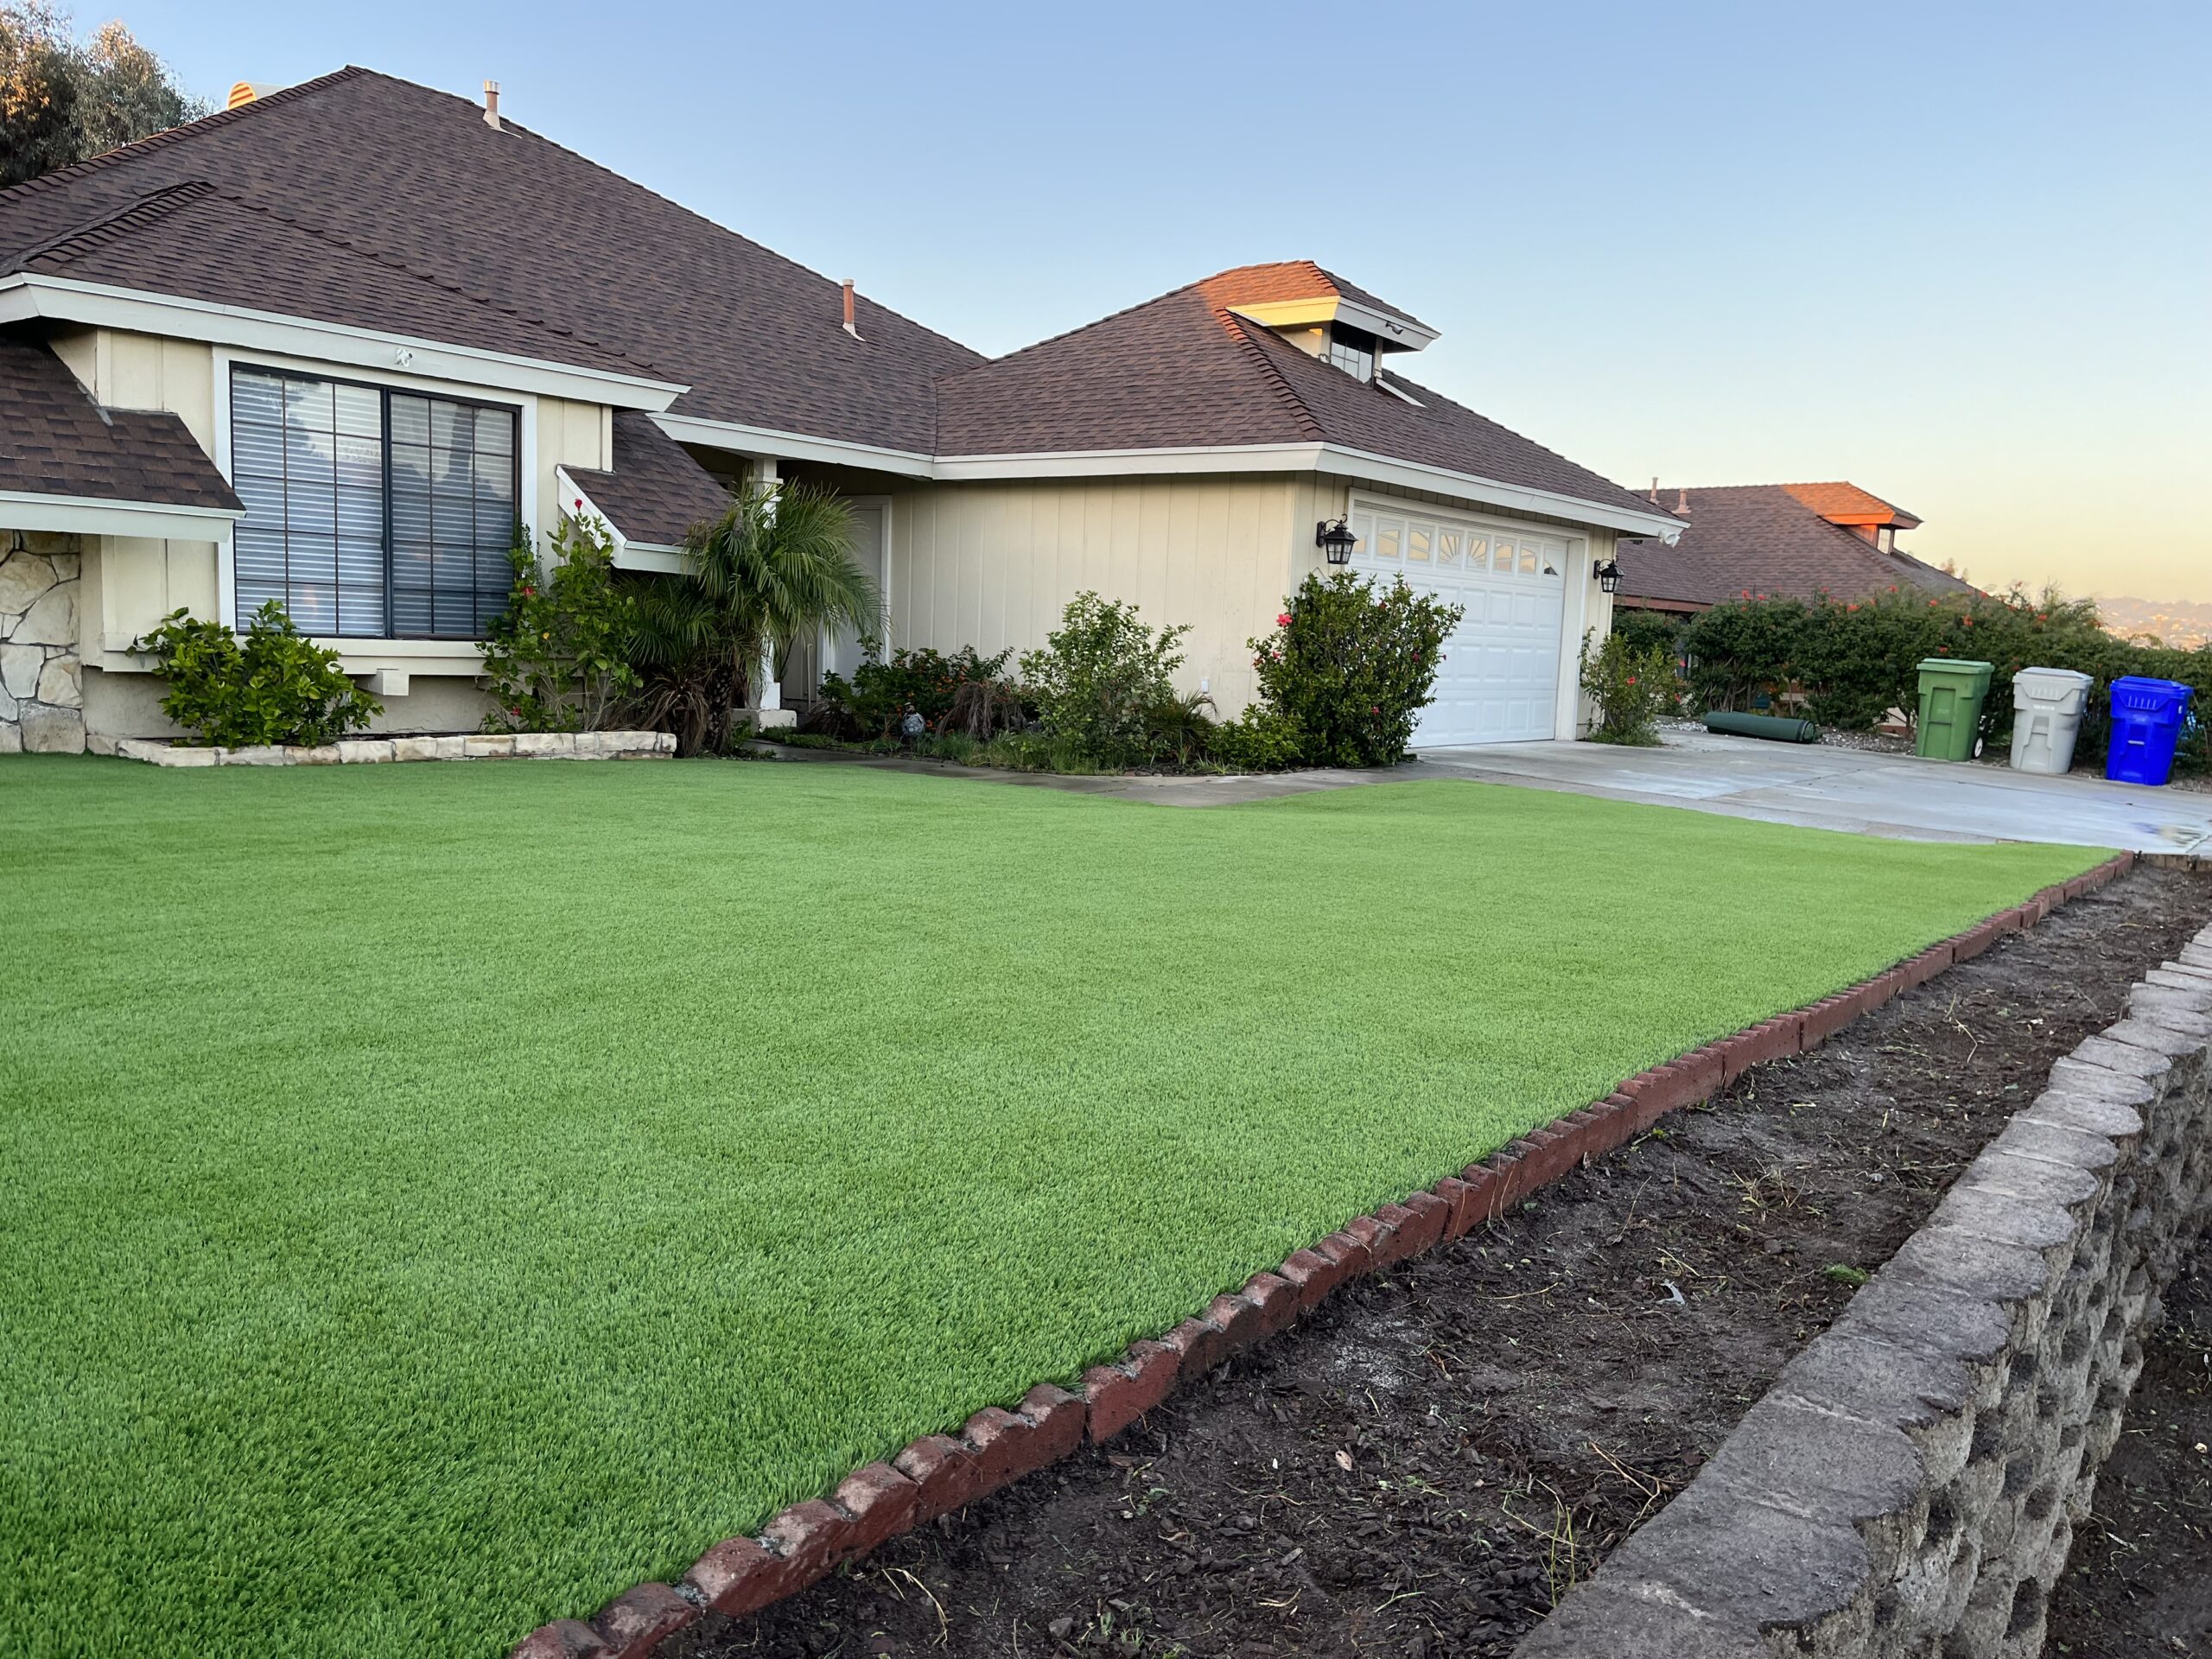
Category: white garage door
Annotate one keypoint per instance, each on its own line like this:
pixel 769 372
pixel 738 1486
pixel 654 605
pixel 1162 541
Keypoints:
pixel 1499 679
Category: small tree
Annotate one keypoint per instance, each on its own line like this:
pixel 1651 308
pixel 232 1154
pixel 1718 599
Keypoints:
pixel 1352 669
pixel 774 569
pixel 1101 676
pixel 558 659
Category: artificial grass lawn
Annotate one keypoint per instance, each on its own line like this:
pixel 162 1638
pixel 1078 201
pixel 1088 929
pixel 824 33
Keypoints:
pixel 435 1197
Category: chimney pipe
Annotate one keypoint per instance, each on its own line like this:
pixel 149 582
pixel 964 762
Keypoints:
pixel 851 328
pixel 1681 502
pixel 492 104
pixel 1653 497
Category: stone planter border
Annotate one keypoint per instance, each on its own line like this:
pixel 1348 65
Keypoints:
pixel 940 1473
pixel 364 751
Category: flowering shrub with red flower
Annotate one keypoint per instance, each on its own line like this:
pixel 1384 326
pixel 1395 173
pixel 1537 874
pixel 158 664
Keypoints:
pixel 558 659
pixel 1349 669
pixel 1632 684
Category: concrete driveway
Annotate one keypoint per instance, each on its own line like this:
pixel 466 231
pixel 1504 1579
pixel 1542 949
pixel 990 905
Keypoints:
pixel 1783 782
pixel 1848 789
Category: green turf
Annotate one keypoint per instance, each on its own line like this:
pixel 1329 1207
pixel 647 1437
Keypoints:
pixel 434 1197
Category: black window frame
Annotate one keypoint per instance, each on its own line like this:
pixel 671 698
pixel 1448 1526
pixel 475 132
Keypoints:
pixel 1360 345
pixel 385 393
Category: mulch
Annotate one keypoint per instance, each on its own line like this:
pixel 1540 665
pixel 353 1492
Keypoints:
pixel 1441 1453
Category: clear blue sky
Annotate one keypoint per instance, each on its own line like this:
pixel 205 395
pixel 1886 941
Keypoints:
pixel 1955 253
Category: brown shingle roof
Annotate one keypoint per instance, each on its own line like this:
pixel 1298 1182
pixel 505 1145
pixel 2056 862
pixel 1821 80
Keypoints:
pixel 415 179
pixel 1182 371
pixel 656 491
pixel 361 200
pixel 54 440
pixel 1762 539
pixel 195 239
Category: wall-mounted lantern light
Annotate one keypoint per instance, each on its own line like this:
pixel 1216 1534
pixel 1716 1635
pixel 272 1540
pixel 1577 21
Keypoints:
pixel 1335 538
pixel 1608 573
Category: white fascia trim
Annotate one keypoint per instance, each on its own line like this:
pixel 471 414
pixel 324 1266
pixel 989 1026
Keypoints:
pixel 88 515
pixel 1331 458
pixel 28 295
pixel 1383 469
pixel 794 446
pixel 1112 463
pixel 1394 331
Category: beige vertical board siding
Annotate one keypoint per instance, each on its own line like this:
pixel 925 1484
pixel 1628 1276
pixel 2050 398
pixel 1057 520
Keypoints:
pixel 994 565
pixel 568 435
pixel 132 581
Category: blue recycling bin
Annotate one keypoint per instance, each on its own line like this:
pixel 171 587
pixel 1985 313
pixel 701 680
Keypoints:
pixel 2147 722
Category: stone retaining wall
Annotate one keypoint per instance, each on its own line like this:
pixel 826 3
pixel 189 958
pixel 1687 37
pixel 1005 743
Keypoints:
pixel 357 751
pixel 1911 1484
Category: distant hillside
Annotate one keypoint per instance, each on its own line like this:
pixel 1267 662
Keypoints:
pixel 2181 622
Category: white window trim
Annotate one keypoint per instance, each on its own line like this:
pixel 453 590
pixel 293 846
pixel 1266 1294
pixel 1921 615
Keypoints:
pixel 353 650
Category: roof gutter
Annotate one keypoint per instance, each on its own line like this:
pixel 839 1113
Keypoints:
pixel 26 295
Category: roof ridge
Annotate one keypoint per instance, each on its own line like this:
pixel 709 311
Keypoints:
pixel 507 124
pixel 178 134
pixel 1285 392
pixel 1412 385
pixel 106 227
pixel 1065 333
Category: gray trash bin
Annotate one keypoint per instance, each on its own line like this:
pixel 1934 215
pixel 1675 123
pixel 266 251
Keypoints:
pixel 2047 705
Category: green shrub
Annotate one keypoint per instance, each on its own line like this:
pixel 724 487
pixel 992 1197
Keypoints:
pixel 1651 630
pixel 874 701
pixel 1855 660
pixel 273 686
pixel 1634 686
pixel 1352 669
pixel 1259 739
pixel 558 659
pixel 1102 675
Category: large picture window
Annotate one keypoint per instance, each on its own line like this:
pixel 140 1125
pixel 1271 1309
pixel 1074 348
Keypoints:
pixel 370 511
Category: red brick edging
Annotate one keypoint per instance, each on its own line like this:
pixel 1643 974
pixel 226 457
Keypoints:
pixel 940 1473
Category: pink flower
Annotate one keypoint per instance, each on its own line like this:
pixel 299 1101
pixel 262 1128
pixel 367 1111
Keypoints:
pixel 1283 621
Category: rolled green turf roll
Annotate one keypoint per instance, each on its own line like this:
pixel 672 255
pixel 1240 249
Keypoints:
pixel 1775 728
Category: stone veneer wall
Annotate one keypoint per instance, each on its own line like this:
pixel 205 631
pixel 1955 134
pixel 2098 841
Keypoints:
pixel 1909 1485
pixel 42 686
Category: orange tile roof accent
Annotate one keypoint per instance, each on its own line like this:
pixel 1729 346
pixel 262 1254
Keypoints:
pixel 1847 504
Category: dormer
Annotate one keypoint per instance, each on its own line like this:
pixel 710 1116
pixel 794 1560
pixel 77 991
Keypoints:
pixel 1864 514
pixel 1321 314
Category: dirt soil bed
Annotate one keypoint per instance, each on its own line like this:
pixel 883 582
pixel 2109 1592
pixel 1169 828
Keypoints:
pixel 1421 1468
pixel 2140 1582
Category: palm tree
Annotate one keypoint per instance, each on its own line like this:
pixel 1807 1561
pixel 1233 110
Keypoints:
pixel 774 569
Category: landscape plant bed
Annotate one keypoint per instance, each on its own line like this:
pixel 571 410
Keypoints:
pixel 1424 1466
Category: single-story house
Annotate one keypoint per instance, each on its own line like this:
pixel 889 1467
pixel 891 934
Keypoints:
pixel 1774 541
pixel 327 346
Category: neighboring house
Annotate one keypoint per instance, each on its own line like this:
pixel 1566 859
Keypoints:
pixel 327 346
pixel 1775 540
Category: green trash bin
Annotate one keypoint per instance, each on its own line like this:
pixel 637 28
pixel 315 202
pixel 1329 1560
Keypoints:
pixel 1950 707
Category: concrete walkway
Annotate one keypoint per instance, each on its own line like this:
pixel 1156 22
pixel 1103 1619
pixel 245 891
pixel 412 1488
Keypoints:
pixel 1826 787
